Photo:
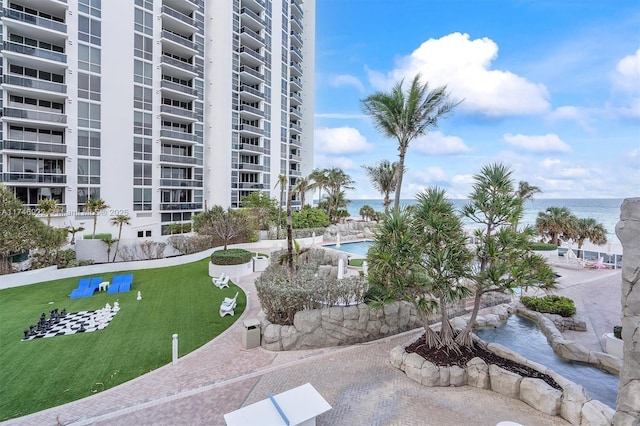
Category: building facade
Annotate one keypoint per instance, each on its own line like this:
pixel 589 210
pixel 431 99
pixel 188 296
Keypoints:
pixel 162 108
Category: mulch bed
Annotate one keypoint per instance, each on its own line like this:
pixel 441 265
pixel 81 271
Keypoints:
pixel 443 357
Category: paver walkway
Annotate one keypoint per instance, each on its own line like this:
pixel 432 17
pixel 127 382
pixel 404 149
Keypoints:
pixel 357 381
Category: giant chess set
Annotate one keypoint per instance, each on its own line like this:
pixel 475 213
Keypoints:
pixel 63 323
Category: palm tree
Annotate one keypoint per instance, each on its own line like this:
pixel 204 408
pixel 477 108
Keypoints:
pixel 556 223
pixel 109 242
pixel 384 178
pixel 337 182
pixel 525 192
pixel 119 221
pixel 589 229
pixel 406 116
pixel 367 212
pixel 282 182
pixel 302 186
pixel 95 206
pixel 48 207
pixel 319 179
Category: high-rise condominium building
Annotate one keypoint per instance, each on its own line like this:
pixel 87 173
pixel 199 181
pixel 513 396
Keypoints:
pixel 161 108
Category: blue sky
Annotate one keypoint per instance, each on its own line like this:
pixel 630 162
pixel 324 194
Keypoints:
pixel 551 88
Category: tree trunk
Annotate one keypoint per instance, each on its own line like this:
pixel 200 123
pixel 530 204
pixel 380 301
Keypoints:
pixel 431 338
pixel 446 331
pixel 396 204
pixel 464 338
pixel 289 235
pixel 95 223
pixel 117 244
pixel 628 229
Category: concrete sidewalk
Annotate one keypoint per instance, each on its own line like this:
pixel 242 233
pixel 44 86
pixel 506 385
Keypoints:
pixel 357 380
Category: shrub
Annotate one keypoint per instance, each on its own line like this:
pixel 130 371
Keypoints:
pixel 231 257
pixel 544 247
pixel 105 236
pixel 551 304
pixel 191 244
pixel 617 331
pixel 310 218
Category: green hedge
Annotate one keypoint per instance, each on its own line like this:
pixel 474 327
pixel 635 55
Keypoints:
pixel 98 236
pixel 231 257
pixel 551 304
pixel 544 247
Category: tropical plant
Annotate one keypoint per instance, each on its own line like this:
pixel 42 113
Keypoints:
pixel 556 223
pixel 119 221
pixel 48 207
pixel 282 182
pixel 589 229
pixel 301 188
pixel 262 209
pixel 95 206
pixel 525 192
pixel 384 178
pixel 109 242
pixel 367 212
pixel 298 251
pixel 318 179
pixel 407 115
pixel 310 217
pixel 420 255
pixel 73 231
pixel 504 258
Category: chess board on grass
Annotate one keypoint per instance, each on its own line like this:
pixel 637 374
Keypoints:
pixel 76 322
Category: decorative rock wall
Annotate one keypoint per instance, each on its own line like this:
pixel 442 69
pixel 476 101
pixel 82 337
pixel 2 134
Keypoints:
pixel 570 403
pixel 338 325
pixel 351 230
pixel 628 230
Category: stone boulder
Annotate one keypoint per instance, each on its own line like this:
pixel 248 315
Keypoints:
pixel 538 394
pixel 413 367
pixel 595 413
pixel 478 374
pixel 430 374
pixel 573 398
pixel 457 376
pixel 504 382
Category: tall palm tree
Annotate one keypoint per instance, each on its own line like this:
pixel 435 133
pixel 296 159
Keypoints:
pixel 406 116
pixel 95 206
pixel 282 182
pixel 556 223
pixel 318 177
pixel 119 221
pixel 109 242
pixel 337 182
pixel 589 229
pixel 384 178
pixel 525 192
pixel 302 186
pixel 48 207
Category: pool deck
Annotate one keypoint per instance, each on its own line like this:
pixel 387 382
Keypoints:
pixel 357 381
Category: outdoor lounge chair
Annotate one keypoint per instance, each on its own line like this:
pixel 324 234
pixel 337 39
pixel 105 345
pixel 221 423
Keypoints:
pixel 598 264
pixel 228 305
pixel 125 283
pixel 222 281
pixel 84 282
pixel 114 287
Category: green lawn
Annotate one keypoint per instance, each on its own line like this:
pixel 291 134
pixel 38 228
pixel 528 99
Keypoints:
pixel 44 373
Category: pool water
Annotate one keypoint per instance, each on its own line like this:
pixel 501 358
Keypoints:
pixel 523 336
pixel 359 248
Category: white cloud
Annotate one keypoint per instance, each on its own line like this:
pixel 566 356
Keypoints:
pixel 327 162
pixel 347 80
pixel 340 140
pixel 546 143
pixel 436 143
pixel 626 84
pixel 339 116
pixel 464 65
pixel 572 113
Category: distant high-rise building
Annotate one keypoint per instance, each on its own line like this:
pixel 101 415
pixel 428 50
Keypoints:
pixel 162 108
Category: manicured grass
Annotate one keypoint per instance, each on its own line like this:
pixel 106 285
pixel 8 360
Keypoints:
pixel 44 373
pixel 356 262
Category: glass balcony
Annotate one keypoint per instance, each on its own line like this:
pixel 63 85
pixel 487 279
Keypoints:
pixel 178 15
pixel 251 71
pixel 296 23
pixel 252 53
pixel 296 97
pixel 182 41
pixel 56 148
pixel 251 90
pixel 35 84
pixel 295 112
pixel 254 35
pixel 180 159
pixel 180 206
pixel 165 84
pixel 183 183
pixel 296 9
pixel 167 109
pixel 252 167
pixel 251 147
pixel 35 51
pixel 252 110
pixel 173 134
pixel 35 115
pixel 179 64
pixel 295 36
pixel 295 127
pixel 34 177
pixel 35 20
pixel 296 66
pixel 295 157
pixel 250 185
pixel 253 15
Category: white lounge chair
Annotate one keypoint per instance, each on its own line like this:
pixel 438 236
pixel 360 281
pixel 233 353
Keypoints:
pixel 228 305
pixel 222 281
pixel 599 264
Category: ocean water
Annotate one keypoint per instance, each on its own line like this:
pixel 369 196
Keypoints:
pixel 604 210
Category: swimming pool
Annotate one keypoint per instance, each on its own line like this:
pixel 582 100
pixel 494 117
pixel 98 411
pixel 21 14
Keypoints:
pixel 359 248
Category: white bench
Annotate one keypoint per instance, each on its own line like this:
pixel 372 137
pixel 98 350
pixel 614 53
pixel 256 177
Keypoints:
pixel 297 406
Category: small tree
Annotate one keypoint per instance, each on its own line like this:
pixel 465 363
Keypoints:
pixel 589 229
pixel 48 207
pixel 95 206
pixel 73 231
pixel 503 256
pixel 119 221
pixel 109 242
pixel 384 178
pixel 282 182
pixel 556 223
pixel 262 209
pixel 367 212
pixel 221 223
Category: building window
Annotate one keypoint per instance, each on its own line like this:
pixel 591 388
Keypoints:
pixel 29 134
pixel 88 171
pixel 147 4
pixel 89 87
pixel 89 30
pixel 88 115
pixel 142 97
pixel 143 47
pixel 142 72
pixel 142 123
pixel 142 174
pixel 143 22
pixel 141 199
pixel 142 148
pixel 88 143
pixel 86 193
pixel 90 7
pixel 88 58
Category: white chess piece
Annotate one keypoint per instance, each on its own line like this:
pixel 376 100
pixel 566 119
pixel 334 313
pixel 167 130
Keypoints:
pixel 139 296
pixel 107 306
pixel 116 306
